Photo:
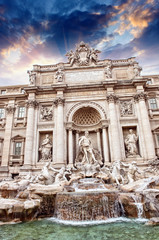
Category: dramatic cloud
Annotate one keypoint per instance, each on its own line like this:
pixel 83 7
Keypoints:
pixel 41 32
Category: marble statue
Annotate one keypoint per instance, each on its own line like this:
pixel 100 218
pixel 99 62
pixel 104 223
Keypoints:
pixel 86 148
pixel 137 70
pixel 116 175
pixel 59 75
pixel 108 72
pixel 45 176
pixel 131 172
pixel 45 149
pixel 131 144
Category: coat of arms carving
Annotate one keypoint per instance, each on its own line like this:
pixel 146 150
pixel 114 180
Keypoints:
pixel 83 55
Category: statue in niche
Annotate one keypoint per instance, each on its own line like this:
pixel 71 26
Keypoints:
pixel 108 72
pixel 45 149
pixel 59 75
pixel 131 144
pixel 86 154
pixel 46 113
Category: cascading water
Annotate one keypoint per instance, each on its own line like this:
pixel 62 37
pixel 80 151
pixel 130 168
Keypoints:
pixel 139 205
pixel 83 204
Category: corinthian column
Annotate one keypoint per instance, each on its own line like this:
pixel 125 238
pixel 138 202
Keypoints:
pixel 7 136
pixel 114 131
pixel 148 139
pixel 59 102
pixel 31 104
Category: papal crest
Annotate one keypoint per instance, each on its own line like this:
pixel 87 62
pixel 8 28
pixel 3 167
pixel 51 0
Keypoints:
pixel 83 55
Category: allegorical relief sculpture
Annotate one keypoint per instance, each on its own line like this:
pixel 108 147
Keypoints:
pixel 126 108
pixel 83 55
pixel 46 113
pixel 131 144
pixel 46 149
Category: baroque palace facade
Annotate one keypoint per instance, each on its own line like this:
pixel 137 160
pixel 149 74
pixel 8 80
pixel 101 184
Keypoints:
pixel 43 121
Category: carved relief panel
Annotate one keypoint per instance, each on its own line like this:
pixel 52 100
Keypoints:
pixel 46 113
pixel 126 108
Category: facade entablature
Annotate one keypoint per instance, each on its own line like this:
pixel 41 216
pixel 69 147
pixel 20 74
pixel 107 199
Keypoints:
pixel 83 66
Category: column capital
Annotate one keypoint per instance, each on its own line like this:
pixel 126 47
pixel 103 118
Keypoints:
pixel 59 101
pixel 140 96
pixel 111 98
pixel 31 103
pixel 10 109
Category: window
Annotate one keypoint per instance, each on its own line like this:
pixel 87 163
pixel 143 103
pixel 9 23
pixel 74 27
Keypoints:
pixel 18 148
pixel 1 113
pixel 3 92
pixel 158 139
pixel 153 103
pixel 149 81
pixel 21 112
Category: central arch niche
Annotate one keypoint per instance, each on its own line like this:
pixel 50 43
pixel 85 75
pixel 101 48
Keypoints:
pixel 86 116
pixel 89 117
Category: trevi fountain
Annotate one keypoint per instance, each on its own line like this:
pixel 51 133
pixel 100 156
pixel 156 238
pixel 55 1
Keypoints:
pixel 79 151
pixel 81 199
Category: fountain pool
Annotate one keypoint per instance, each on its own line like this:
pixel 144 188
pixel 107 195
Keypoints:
pixel 48 229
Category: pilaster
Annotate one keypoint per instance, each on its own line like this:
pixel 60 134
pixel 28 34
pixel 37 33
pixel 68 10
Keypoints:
pixel 114 130
pixel 31 105
pixel 10 109
pixel 148 139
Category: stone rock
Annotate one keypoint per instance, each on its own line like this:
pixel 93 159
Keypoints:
pixel 153 222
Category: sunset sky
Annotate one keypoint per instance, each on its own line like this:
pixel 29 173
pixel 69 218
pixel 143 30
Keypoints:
pixel 42 31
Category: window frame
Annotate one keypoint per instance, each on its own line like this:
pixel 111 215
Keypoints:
pixel 153 105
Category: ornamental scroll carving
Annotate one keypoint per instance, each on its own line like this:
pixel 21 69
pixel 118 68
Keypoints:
pixel 111 98
pixel 46 113
pixel 59 101
pixel 126 108
pixel 10 109
pixel 83 55
pixel 140 96
pixel 32 103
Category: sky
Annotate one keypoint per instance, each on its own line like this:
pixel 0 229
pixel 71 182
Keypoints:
pixel 43 31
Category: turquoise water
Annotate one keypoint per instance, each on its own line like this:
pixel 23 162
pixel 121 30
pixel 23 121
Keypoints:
pixel 48 229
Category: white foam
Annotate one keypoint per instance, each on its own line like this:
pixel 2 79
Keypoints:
pixel 95 222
